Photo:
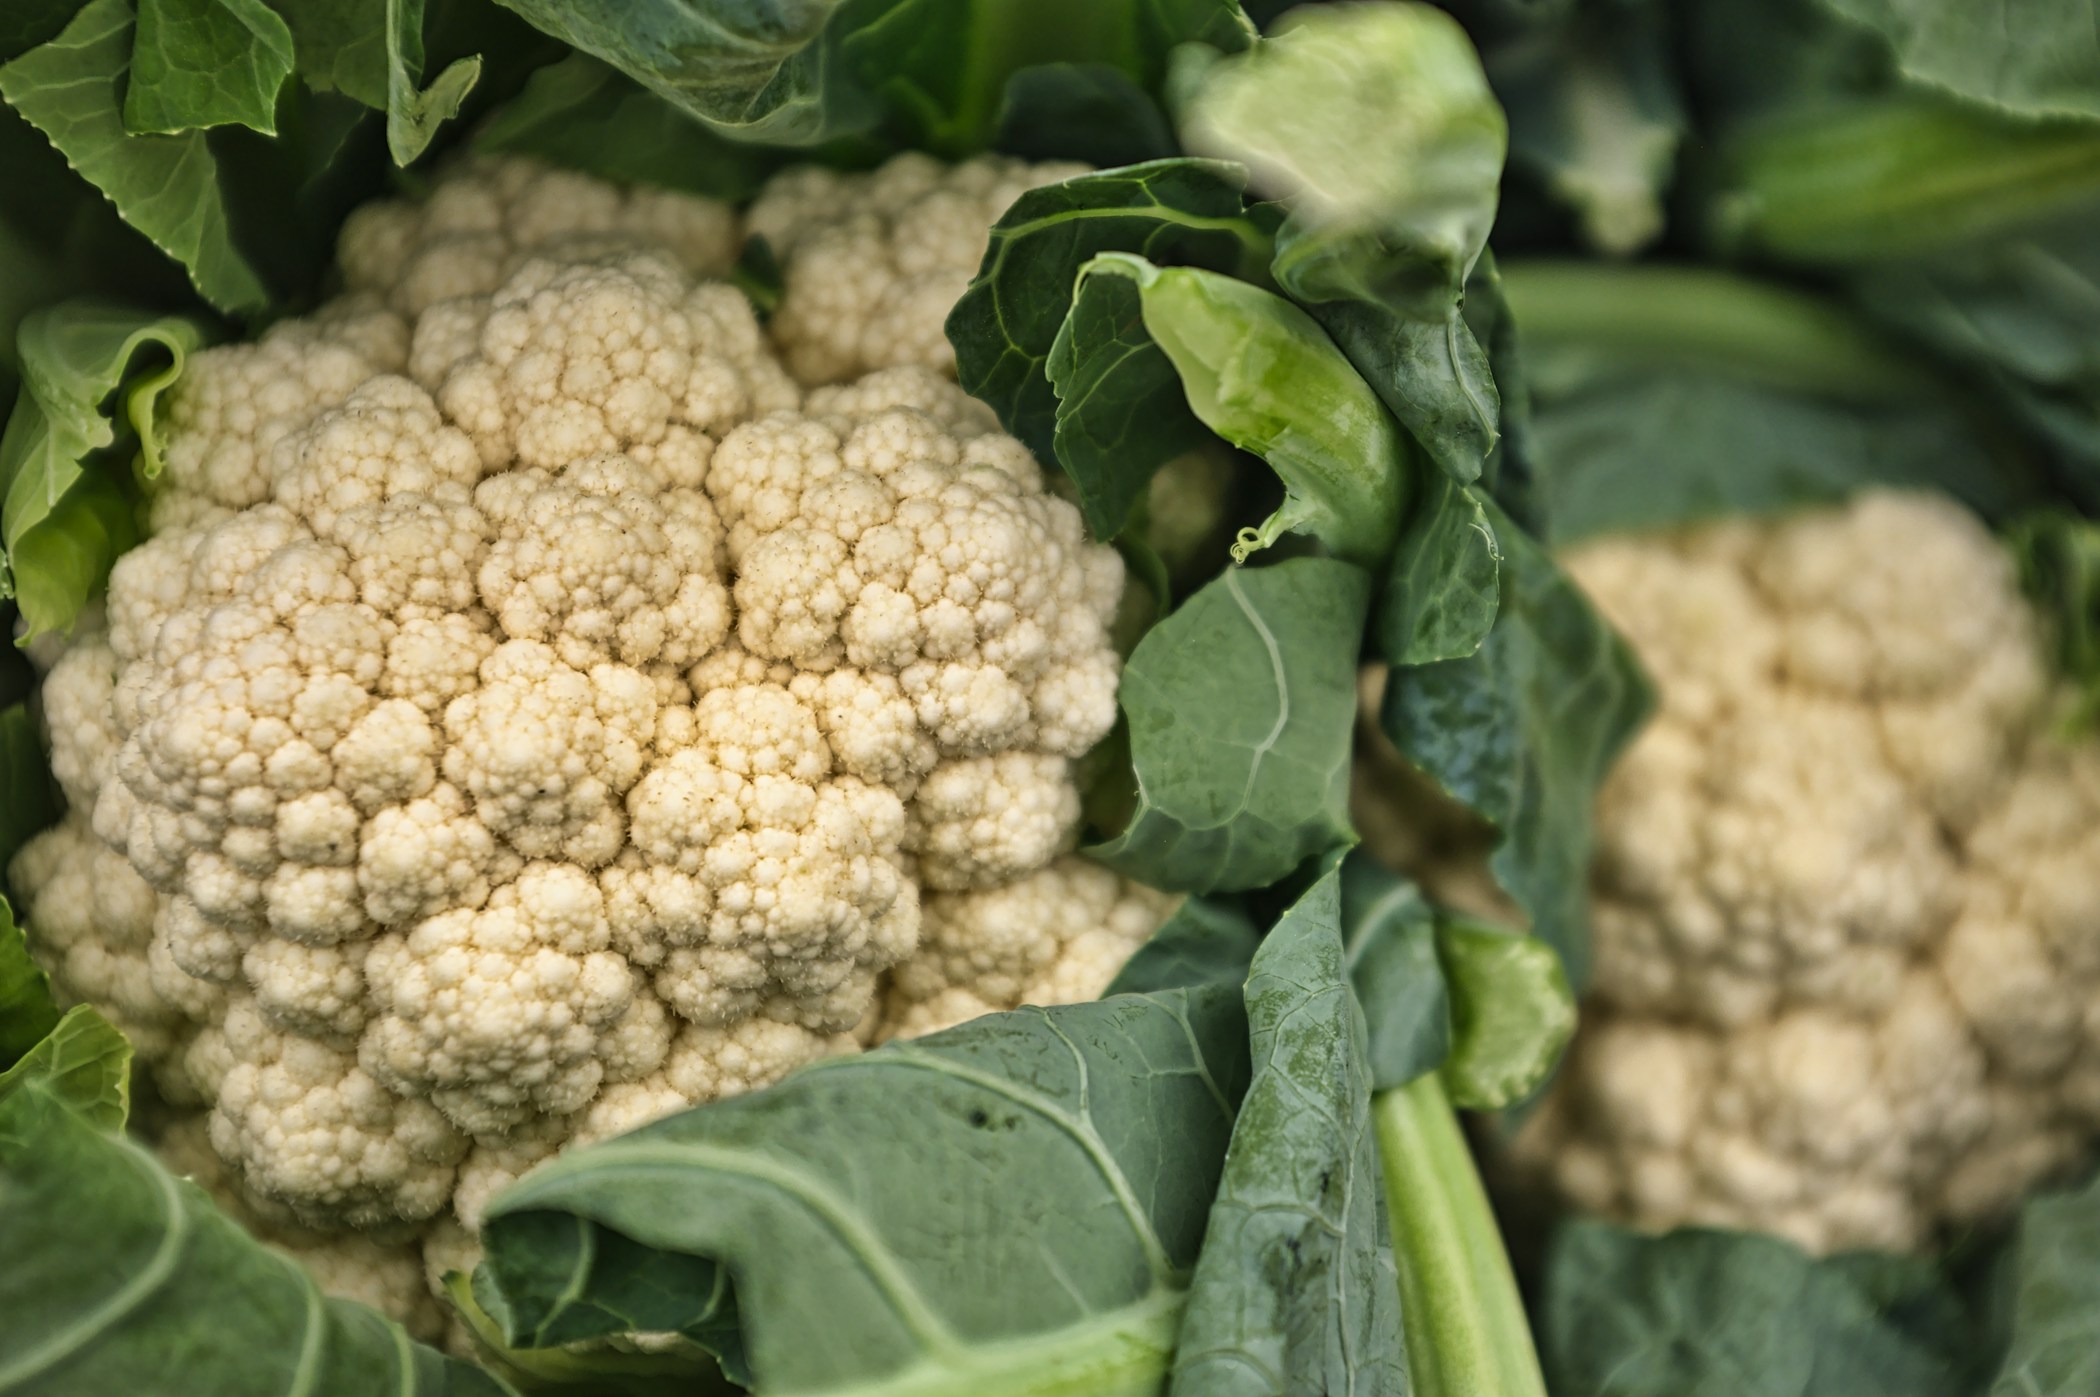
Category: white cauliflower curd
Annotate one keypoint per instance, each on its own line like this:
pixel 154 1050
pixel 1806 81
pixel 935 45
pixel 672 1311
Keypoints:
pixel 535 711
pixel 1847 890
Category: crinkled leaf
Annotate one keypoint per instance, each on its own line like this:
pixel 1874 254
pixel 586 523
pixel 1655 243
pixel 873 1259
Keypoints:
pixel 1172 212
pixel 65 515
pixel 123 1278
pixel 1208 941
pixel 1259 372
pixel 84 1063
pixel 2054 1348
pixel 1441 587
pixel 1525 730
pixel 588 116
pixel 2032 57
pixel 1240 707
pixel 1664 396
pixel 713 1353
pixel 1389 937
pixel 28 1013
pixel 1512 1013
pixel 1296 1291
pixel 1091 112
pixel 1076 1150
pixel 1433 375
pixel 165 186
pixel 1627 1315
pixel 200 63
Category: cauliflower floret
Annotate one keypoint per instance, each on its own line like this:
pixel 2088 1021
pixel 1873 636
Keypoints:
pixel 467 768
pixel 1055 936
pixel 1846 916
pixel 873 262
pixel 490 213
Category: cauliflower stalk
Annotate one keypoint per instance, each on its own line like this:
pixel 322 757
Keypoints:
pixel 536 710
pixel 1847 913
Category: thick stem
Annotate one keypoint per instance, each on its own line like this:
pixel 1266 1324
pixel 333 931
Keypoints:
pixel 1467 1334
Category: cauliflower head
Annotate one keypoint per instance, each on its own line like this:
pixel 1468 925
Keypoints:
pixel 872 263
pixel 534 712
pixel 1846 895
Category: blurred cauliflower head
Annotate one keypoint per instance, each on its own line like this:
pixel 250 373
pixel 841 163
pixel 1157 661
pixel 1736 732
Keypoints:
pixel 1847 890
pixel 532 715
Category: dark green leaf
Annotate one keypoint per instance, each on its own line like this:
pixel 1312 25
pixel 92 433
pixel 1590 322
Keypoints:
pixel 2055 1344
pixel 1662 396
pixel 1511 1013
pixel 27 804
pixel 27 1011
pixel 1433 375
pixel 1698 1311
pixel 1296 1292
pixel 1173 212
pixel 1093 1133
pixel 164 186
pixel 84 1063
pixel 1207 941
pixel 1389 933
pixel 1240 707
pixel 1121 412
pixel 199 63
pixel 1524 731
pixel 2059 557
pixel 341 46
pixel 65 514
pixel 585 115
pixel 1259 372
pixel 27 23
pixel 123 1279
pixel 1090 112
pixel 1441 588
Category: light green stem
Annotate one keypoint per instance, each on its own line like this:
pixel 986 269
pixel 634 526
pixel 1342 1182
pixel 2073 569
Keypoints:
pixel 1467 1335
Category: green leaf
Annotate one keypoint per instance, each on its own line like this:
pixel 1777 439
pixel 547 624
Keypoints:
pixel 165 186
pixel 1464 1318
pixel 1525 730
pixel 1700 1311
pixel 813 1194
pixel 121 1277
pixel 2055 1343
pixel 587 116
pixel 1121 412
pixel 1512 1013
pixel 1260 372
pixel 2041 58
pixel 84 1063
pixel 1172 212
pixel 414 113
pixel 1208 941
pixel 1240 707
pixel 1663 396
pixel 1389 936
pixel 1296 1292
pixel 1381 238
pixel 1441 588
pixel 200 63
pixel 28 1012
pixel 1090 112
pixel 65 515
pixel 341 46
